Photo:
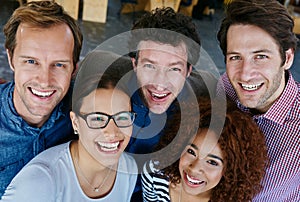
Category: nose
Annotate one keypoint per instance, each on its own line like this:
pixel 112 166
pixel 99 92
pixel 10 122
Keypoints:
pixel 160 79
pixel 44 76
pixel 247 70
pixel 197 165
pixel 111 130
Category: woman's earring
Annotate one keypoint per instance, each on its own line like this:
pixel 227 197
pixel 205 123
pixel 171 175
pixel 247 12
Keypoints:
pixel 76 132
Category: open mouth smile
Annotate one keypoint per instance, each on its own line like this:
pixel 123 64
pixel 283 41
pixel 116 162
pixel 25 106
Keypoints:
pixel 41 94
pixel 109 146
pixel 193 180
pixel 251 87
pixel 159 96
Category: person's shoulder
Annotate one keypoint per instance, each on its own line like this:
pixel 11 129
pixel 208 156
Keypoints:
pixel 151 167
pixel 6 91
pixel 127 162
pixel 52 155
pixel 2 81
pixel 127 157
pixel 298 85
pixel 292 87
pixel 6 84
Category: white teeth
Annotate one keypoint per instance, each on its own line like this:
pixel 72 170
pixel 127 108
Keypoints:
pixel 159 95
pixel 192 180
pixel 105 146
pixel 251 87
pixel 41 94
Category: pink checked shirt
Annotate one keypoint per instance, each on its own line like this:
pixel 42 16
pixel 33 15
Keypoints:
pixel 281 126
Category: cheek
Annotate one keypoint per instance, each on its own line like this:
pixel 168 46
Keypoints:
pixel 23 76
pixel 180 167
pixel 177 84
pixel 86 140
pixel 231 70
pixel 127 132
pixel 63 80
pixel 126 141
pixel 183 163
pixel 216 176
pixel 85 134
pixel 143 78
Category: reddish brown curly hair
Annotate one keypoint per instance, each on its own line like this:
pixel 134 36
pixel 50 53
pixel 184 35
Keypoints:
pixel 241 141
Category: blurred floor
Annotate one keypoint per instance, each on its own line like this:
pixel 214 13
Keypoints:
pixel 97 33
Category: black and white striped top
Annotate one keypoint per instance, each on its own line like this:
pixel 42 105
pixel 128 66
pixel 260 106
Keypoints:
pixel 155 184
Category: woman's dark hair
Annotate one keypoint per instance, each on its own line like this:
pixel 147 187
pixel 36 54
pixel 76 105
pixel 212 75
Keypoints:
pixel 99 69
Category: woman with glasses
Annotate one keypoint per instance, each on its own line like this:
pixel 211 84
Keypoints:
pixel 94 167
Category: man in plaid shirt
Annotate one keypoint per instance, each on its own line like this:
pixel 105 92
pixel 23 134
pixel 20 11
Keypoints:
pixel 258 43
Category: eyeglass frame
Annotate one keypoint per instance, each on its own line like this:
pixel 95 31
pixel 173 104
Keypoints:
pixel 84 117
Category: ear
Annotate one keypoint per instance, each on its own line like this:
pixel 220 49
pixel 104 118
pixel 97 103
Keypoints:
pixel 74 120
pixel 190 68
pixel 134 62
pixel 289 58
pixel 9 57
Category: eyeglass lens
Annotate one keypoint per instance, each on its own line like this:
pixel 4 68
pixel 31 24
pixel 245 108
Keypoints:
pixel 99 120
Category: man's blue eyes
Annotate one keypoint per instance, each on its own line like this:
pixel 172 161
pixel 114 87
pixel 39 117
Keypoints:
pixel 31 61
pixel 34 62
pixel 59 65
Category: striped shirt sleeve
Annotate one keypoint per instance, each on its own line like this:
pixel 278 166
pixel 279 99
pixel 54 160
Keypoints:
pixel 154 184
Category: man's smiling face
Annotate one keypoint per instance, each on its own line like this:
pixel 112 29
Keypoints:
pixel 161 71
pixel 43 66
pixel 254 66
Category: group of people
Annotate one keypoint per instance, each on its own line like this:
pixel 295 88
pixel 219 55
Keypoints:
pixel 148 125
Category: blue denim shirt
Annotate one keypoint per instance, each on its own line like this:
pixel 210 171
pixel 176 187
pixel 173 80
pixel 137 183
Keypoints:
pixel 20 142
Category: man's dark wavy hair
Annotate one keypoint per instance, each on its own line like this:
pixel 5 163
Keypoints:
pixel 269 15
pixel 165 26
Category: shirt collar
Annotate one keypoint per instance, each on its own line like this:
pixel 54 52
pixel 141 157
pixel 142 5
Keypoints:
pixel 280 109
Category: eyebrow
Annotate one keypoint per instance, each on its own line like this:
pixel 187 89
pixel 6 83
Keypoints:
pixel 154 62
pixel 232 53
pixel 255 52
pixel 209 155
pixel 27 57
pixel 262 51
pixel 147 60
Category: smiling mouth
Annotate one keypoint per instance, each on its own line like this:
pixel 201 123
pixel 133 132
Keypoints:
pixel 193 181
pixel 251 87
pixel 41 94
pixel 109 146
pixel 159 96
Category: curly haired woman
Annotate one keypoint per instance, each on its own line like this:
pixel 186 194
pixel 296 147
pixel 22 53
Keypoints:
pixel 224 161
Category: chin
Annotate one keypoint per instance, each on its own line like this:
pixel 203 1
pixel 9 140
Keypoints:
pixel 157 110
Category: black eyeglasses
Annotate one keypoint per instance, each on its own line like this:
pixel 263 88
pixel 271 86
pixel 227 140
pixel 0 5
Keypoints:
pixel 96 120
